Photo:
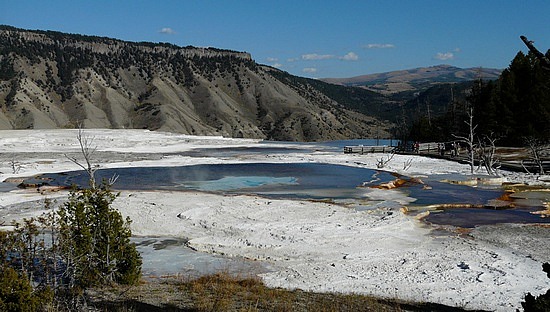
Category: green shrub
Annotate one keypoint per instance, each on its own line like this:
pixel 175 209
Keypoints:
pixel 96 239
pixel 17 293
pixel 47 262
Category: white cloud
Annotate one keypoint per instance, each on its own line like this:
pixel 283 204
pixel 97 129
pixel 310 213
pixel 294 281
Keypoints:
pixel 277 65
pixel 294 59
pixel 350 57
pixel 272 59
pixel 309 70
pixel 444 56
pixel 315 56
pixel 380 46
pixel 167 30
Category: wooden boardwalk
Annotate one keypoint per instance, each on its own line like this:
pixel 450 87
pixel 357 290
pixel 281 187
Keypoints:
pixel 516 164
pixel 365 149
pixel 433 150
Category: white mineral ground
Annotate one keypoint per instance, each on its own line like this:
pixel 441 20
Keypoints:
pixel 309 245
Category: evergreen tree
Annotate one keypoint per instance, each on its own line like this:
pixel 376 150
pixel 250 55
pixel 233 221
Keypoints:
pixel 515 107
pixel 88 245
pixel 523 100
pixel 18 290
pixel 96 240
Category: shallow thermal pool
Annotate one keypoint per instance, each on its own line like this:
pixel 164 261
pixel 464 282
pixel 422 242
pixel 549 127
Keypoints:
pixel 294 180
pixel 347 185
pixel 470 206
pixel 168 257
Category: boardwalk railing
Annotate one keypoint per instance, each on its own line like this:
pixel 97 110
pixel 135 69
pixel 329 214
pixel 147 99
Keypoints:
pixel 431 147
pixel 362 149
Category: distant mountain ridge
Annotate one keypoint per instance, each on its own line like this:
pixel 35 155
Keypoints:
pixel 417 79
pixel 57 80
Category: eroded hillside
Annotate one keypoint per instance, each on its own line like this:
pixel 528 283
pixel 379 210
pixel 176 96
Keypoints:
pixel 56 80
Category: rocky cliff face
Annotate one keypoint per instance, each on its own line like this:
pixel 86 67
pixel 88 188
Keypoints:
pixel 56 80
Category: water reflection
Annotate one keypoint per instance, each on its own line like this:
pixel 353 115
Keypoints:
pixel 296 180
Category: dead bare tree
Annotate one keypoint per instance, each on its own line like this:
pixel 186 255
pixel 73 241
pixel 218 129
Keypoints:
pixel 407 164
pixel 382 162
pixel 87 149
pixel 487 154
pixel 536 147
pixel 545 62
pixel 469 139
pixel 15 165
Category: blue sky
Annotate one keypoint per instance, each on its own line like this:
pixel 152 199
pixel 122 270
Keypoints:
pixel 315 39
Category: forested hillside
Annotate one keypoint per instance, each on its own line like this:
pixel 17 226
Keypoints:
pixel 512 108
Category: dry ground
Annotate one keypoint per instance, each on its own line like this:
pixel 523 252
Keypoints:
pixel 223 292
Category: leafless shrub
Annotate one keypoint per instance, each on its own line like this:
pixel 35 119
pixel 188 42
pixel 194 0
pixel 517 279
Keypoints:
pixel 407 164
pixel 486 153
pixel 87 149
pixel 112 180
pixel 15 165
pixel 536 147
pixel 382 162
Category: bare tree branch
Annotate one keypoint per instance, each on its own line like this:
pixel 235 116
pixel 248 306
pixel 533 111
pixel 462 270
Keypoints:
pixel 113 179
pixel 407 164
pixel 486 152
pixel 535 146
pixel 469 140
pixel 15 165
pixel 524 168
pixel 87 149
pixel 383 162
pixel 545 62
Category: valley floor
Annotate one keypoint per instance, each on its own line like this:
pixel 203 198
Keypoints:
pixel 313 246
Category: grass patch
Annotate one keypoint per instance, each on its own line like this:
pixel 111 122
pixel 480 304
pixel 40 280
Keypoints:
pixel 225 292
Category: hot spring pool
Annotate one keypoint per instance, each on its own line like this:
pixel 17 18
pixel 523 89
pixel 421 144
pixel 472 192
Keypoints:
pixel 295 180
pixel 316 181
